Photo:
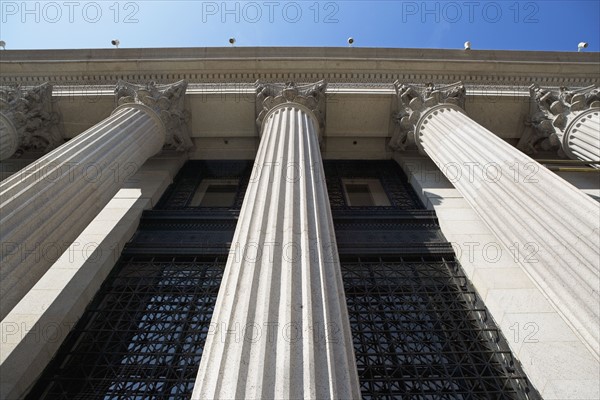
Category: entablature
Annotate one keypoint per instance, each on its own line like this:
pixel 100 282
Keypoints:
pixel 360 97
pixel 301 65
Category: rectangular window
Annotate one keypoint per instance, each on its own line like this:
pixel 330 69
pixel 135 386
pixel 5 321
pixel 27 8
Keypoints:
pixel 215 193
pixel 365 193
pixel 359 195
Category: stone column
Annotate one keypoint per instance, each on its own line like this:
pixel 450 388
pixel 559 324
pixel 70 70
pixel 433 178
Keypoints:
pixel 581 140
pixel 9 139
pixel 549 226
pixel 27 121
pixel 45 206
pixel 280 327
pixel 567 120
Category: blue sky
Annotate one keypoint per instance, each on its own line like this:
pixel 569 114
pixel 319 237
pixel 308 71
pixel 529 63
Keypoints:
pixel 489 25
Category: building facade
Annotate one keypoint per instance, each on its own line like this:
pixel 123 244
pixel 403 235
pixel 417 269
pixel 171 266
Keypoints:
pixel 300 223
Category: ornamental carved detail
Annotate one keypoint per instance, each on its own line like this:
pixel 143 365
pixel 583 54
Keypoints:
pixel 413 102
pixel 30 111
pixel 269 95
pixel 550 115
pixel 168 101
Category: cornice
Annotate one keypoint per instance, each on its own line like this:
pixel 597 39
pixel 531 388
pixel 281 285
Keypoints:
pixel 366 79
pixel 228 53
pixel 302 65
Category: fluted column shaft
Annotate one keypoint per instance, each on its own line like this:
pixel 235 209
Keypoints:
pixel 551 227
pixel 280 327
pixel 9 139
pixel 48 204
pixel 581 140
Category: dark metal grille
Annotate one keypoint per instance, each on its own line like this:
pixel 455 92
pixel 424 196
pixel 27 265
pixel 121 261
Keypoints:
pixel 142 336
pixel 184 232
pixel 420 333
pixel 397 232
pixel 420 330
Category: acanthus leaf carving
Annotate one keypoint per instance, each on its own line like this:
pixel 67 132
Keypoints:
pixel 412 103
pixel 168 101
pixel 30 111
pixel 550 114
pixel 270 95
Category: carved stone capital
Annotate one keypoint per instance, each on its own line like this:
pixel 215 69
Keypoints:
pixel 551 112
pixel 270 95
pixel 413 103
pixel 168 102
pixel 31 115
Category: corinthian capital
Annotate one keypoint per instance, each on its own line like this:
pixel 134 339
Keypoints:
pixel 412 103
pixel 35 125
pixel 551 112
pixel 168 101
pixel 270 95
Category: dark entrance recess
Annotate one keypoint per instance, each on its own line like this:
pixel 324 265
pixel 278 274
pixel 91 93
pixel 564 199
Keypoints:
pixel 142 336
pixel 419 329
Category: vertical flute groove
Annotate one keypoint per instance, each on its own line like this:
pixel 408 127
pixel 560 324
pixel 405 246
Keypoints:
pixel 296 287
pixel 48 204
pixel 545 211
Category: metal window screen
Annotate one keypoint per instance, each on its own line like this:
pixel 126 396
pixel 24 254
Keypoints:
pixel 417 334
pixel 419 330
pixel 142 336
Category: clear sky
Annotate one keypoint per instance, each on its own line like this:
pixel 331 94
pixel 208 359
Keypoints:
pixel 489 25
